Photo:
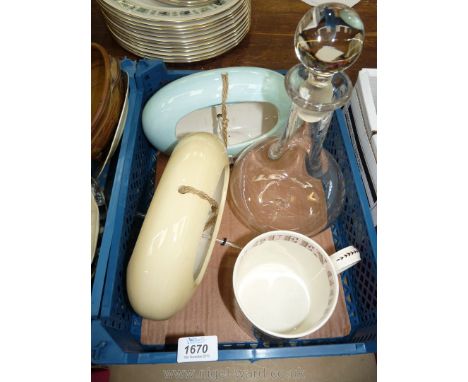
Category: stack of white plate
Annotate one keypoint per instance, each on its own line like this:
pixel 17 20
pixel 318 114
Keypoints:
pixel 195 30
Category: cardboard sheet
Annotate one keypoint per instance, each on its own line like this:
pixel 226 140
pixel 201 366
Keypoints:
pixel 209 312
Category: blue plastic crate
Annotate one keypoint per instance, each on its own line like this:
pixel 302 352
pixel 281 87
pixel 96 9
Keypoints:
pixel 116 327
pixel 112 171
pixel 111 182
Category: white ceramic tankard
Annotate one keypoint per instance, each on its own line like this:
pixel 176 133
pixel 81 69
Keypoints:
pixel 285 284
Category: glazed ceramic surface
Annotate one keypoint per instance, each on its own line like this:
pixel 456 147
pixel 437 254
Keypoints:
pixel 286 285
pixel 177 33
pixel 173 248
pixel 257 107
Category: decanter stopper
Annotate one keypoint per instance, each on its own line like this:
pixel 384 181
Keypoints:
pixel 329 39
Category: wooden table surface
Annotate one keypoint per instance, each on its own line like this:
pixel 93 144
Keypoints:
pixel 269 43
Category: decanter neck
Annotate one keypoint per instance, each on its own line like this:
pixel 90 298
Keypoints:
pixel 313 99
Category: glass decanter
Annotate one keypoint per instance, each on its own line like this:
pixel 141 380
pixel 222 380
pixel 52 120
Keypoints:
pixel 292 182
